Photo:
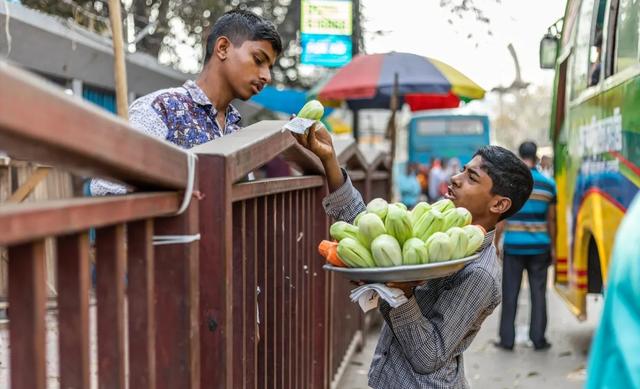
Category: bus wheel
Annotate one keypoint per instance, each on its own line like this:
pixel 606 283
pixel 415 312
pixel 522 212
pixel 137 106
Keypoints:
pixel 594 274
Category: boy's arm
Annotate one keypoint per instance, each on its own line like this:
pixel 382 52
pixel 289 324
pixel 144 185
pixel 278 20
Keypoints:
pixel 344 202
pixel 145 119
pixel 430 342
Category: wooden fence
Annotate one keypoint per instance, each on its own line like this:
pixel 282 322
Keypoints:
pixel 246 306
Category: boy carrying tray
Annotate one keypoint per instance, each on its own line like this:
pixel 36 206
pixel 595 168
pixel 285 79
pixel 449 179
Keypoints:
pixel 422 341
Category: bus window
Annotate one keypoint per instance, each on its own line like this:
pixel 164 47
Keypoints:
pixel 450 127
pixel 595 54
pixel 627 34
pixel 580 62
pixel 465 127
pixel 432 127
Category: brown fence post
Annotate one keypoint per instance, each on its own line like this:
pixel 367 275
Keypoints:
pixel 141 304
pixel 177 283
pixel 27 302
pixel 73 310
pixel 215 317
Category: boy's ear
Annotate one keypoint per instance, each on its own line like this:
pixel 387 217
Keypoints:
pixel 221 48
pixel 500 204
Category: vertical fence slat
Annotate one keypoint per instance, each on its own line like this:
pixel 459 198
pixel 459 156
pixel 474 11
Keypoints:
pixel 321 292
pixel 306 290
pixel 270 291
pixel 176 289
pixel 239 330
pixel 141 312
pixel 73 309
pixel 296 266
pixel 110 266
pixel 279 290
pixel 250 305
pixel 27 304
pixel 262 279
pixel 288 282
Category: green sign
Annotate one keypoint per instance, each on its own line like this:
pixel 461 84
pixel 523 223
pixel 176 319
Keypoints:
pixel 326 17
pixel 326 27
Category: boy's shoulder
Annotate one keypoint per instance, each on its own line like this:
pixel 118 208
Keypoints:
pixel 161 98
pixel 484 271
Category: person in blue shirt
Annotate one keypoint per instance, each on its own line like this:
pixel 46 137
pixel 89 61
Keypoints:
pixel 614 358
pixel 409 186
pixel 529 242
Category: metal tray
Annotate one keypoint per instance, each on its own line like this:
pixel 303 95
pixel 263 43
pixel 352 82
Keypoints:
pixel 404 273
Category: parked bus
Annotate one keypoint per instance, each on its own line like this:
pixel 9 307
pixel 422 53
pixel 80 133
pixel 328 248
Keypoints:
pixel 446 134
pixel 595 128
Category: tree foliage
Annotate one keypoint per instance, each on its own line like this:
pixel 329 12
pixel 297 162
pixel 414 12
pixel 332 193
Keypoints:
pixel 175 30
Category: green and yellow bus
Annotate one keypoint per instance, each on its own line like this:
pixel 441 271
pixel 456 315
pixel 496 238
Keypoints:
pixel 595 128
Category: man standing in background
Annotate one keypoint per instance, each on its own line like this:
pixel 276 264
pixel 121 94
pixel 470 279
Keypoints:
pixel 529 243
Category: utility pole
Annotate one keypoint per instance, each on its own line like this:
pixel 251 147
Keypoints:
pixel 355 30
pixel 355 50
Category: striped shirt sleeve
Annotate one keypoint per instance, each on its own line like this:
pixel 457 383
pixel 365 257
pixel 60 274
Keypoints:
pixel 345 203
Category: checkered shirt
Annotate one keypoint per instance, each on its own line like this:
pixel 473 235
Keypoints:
pixel 422 341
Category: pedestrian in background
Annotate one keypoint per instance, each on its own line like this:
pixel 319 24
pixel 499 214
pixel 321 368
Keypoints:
pixel 409 186
pixel 546 166
pixel 437 177
pixel 423 179
pixel 614 358
pixel 529 242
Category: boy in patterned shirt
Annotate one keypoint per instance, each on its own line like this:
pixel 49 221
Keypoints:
pixel 240 52
pixel 422 341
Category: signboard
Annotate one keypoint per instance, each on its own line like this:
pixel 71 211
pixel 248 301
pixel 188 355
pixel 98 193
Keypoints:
pixel 326 27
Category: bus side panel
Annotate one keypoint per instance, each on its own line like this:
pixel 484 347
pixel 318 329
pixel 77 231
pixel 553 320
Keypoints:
pixel 602 177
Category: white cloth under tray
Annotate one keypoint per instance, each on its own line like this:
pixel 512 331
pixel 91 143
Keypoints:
pixel 367 296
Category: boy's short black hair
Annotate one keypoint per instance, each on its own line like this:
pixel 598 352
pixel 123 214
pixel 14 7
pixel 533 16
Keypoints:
pixel 511 177
pixel 241 25
pixel 528 150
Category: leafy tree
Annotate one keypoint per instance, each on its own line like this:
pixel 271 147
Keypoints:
pixel 167 29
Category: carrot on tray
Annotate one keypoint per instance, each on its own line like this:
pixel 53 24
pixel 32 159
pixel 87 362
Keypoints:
pixel 329 250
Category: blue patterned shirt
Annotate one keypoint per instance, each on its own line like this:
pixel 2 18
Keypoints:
pixel 184 116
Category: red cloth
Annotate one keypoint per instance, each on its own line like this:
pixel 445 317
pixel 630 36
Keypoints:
pixel 420 102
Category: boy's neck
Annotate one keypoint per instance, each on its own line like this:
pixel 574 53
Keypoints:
pixel 488 223
pixel 216 88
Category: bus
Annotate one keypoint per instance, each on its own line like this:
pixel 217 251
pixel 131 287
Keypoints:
pixel 595 129
pixel 446 134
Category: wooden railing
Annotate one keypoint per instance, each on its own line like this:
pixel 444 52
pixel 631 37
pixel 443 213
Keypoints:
pixel 162 339
pixel 264 294
pixel 248 306
pixel 347 319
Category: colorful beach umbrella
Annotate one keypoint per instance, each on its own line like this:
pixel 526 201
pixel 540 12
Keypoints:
pixel 423 83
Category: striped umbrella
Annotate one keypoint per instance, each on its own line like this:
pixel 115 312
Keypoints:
pixel 423 83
